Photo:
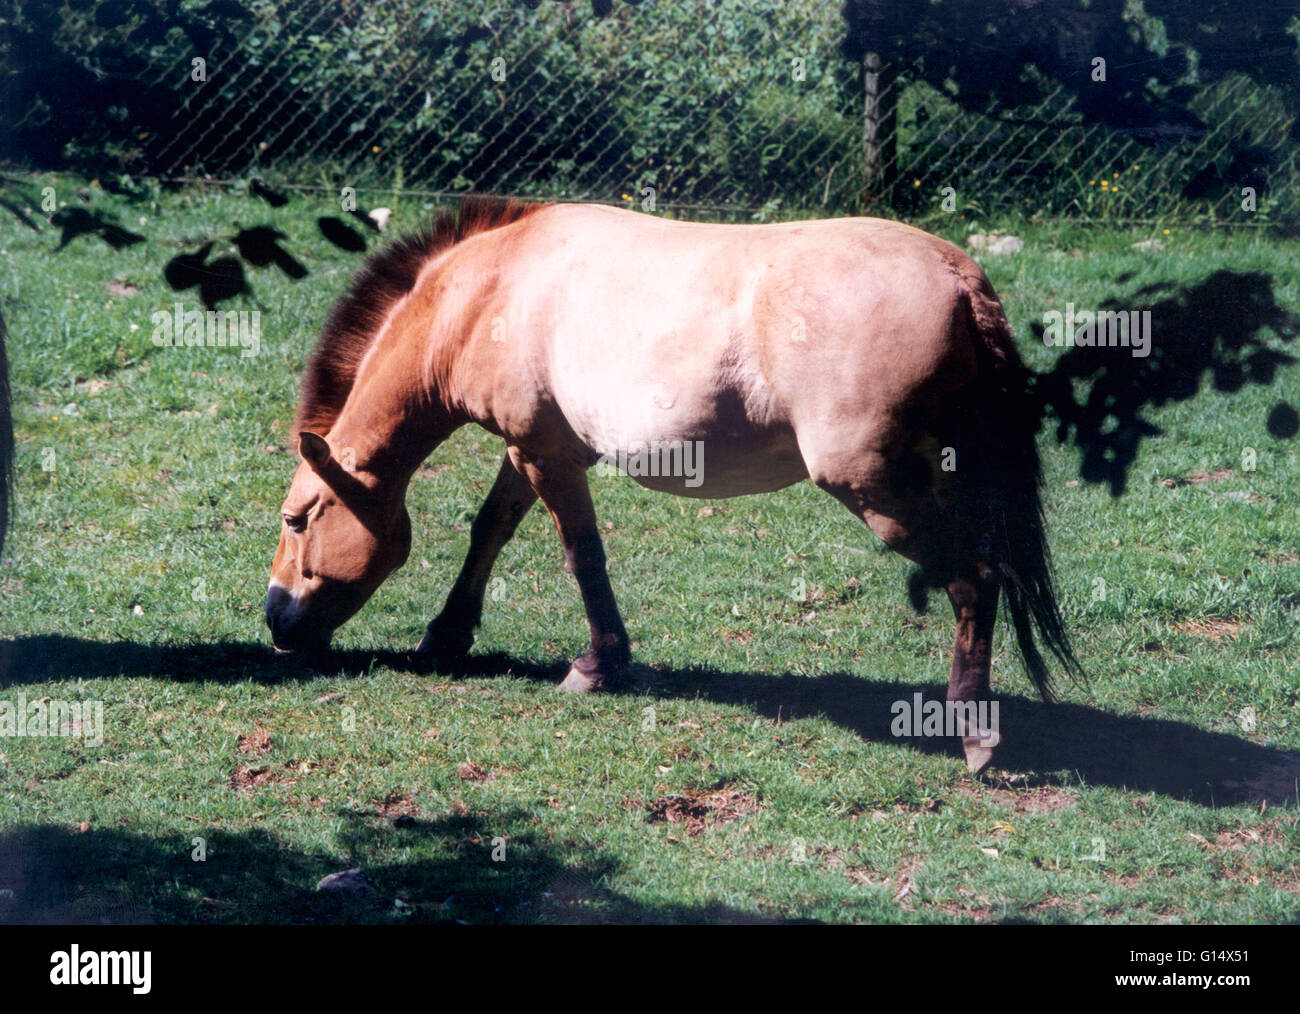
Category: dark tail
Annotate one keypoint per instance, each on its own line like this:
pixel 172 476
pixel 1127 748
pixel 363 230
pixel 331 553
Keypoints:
pixel 1012 531
pixel 6 439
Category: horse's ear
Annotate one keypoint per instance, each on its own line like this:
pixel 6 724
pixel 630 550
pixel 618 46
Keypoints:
pixel 314 450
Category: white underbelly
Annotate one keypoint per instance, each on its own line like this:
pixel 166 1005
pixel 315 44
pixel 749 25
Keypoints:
pixel 709 468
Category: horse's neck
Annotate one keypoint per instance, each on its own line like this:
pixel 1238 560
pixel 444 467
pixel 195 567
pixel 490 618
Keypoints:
pixel 390 421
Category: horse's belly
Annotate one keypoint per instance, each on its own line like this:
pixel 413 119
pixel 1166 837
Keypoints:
pixel 711 469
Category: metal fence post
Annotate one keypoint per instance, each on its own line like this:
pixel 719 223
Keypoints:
pixel 879 132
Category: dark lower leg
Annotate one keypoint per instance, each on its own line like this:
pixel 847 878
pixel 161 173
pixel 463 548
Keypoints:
pixel 609 653
pixel 975 604
pixel 567 496
pixel 451 632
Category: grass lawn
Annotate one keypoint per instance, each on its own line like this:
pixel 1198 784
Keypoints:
pixel 753 776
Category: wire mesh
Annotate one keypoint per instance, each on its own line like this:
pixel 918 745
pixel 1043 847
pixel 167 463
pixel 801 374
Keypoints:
pixel 747 107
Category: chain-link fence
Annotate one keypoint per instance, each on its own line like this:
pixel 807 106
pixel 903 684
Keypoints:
pixel 745 106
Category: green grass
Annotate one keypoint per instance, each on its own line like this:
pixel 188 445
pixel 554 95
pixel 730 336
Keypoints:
pixel 148 484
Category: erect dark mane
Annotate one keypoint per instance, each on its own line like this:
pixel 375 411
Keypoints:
pixel 385 278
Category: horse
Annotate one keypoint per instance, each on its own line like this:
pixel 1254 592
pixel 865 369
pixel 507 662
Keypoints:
pixel 862 354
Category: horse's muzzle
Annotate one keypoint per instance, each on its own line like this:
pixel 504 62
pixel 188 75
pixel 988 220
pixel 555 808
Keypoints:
pixel 288 631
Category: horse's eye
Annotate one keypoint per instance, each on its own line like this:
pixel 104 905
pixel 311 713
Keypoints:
pixel 295 522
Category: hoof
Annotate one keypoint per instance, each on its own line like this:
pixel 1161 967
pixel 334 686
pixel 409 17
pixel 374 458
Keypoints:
pixel 579 682
pixel 440 651
pixel 980 751
pixel 638 678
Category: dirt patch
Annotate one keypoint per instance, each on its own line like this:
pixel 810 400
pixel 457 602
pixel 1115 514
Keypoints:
pixel 1240 839
pixel 471 772
pixel 396 804
pixel 1235 852
pixel 969 907
pixel 257 776
pixel 401 808
pixel 863 876
pixel 1200 478
pixel 1215 630
pixel 1044 799
pixel 700 809
pixel 256 742
pixel 1051 904
pixel 904 881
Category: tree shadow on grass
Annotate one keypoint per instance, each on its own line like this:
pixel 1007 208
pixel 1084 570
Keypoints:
pixel 1135 753
pixel 110 876
pixel 1216 329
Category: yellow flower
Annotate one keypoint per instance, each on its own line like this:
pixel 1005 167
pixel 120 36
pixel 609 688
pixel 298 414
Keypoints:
pixel 1092 183
pixel 916 183
pixel 375 148
pixel 1166 232
pixel 1114 174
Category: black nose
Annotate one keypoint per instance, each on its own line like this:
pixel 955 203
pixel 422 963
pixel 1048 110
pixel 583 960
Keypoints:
pixel 278 619
pixel 280 632
pixel 293 637
pixel 290 629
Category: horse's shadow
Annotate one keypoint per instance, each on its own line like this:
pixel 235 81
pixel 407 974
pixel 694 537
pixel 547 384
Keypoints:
pixel 1053 742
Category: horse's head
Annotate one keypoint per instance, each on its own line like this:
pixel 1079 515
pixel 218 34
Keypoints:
pixel 342 532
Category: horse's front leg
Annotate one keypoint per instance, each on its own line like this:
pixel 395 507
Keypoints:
pixel 975 604
pixel 451 633
pixel 564 491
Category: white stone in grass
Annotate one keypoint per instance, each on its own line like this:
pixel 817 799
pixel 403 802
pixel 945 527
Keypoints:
pixel 994 243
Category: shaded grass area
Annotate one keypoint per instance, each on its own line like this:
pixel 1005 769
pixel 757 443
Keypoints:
pixel 776 634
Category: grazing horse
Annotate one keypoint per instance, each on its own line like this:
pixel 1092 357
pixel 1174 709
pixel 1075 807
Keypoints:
pixel 865 355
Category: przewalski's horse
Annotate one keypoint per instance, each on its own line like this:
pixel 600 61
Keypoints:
pixel 865 355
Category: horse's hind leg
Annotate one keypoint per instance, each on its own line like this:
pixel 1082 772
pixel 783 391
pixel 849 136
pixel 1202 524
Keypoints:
pixel 451 632
pixel 564 491
pixel 897 499
pixel 974 600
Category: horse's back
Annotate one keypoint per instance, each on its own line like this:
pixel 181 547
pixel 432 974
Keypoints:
pixel 742 337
